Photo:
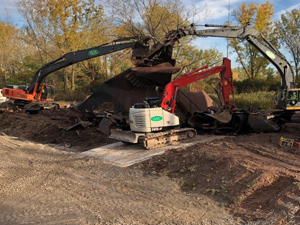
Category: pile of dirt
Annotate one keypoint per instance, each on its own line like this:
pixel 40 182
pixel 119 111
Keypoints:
pixel 251 175
pixel 62 127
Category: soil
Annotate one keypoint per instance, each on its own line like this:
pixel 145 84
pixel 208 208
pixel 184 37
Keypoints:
pixel 243 179
pixel 61 127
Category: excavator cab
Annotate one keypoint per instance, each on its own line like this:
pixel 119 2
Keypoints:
pixel 48 92
pixel 293 99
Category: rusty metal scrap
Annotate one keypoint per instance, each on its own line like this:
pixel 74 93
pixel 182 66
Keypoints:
pixel 127 88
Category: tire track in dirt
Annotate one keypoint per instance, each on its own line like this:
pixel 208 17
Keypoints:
pixel 139 202
pixel 48 186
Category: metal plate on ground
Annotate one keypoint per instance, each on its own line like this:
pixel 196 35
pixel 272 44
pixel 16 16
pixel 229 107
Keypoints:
pixel 125 155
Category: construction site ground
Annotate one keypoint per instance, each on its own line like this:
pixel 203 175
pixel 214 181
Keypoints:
pixel 48 177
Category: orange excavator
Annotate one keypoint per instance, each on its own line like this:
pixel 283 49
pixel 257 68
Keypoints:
pixel 41 94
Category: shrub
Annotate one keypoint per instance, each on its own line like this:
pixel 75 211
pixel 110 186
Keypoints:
pixel 259 99
pixel 256 85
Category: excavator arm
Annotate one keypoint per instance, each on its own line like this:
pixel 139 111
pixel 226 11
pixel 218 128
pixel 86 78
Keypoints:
pixel 249 34
pixel 33 92
pixel 226 84
pixel 79 56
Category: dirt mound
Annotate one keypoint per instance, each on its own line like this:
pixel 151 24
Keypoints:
pixel 252 176
pixel 61 127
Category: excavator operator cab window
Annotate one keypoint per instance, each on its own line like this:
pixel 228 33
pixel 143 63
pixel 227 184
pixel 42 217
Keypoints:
pixel 50 91
pixel 153 102
pixel 149 102
pixel 293 98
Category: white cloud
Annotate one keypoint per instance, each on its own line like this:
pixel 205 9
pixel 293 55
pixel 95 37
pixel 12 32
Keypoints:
pixel 8 7
pixel 9 11
pixel 278 14
pixel 212 10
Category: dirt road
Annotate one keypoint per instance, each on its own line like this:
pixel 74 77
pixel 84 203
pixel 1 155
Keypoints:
pixel 43 185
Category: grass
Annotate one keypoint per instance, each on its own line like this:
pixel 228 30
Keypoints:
pixel 70 96
pixel 261 100
pixel 297 183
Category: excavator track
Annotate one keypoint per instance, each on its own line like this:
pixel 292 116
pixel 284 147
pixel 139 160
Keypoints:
pixel 165 138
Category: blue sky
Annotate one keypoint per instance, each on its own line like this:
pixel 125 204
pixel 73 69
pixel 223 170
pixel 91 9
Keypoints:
pixel 211 12
pixel 217 12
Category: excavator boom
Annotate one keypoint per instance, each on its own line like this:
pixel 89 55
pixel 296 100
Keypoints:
pixel 226 84
pixel 256 39
pixel 79 56
pixel 33 92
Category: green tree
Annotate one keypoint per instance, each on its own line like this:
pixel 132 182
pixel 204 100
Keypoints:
pixel 288 28
pixel 12 52
pixel 60 26
pixel 260 17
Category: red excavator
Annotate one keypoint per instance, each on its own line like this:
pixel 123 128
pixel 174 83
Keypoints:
pixel 226 84
pixel 153 123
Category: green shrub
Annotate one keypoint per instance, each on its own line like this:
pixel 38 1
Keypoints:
pixel 258 99
pixel 254 100
pixel 70 96
pixel 256 84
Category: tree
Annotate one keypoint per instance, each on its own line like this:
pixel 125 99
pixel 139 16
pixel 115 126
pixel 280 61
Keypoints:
pixel 7 33
pixel 156 18
pixel 259 16
pixel 60 26
pixel 12 52
pixel 148 17
pixel 288 30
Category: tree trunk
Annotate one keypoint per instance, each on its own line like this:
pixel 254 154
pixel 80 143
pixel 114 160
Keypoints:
pixel 66 81
pixel 73 79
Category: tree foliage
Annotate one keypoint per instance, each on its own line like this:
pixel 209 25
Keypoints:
pixel 260 17
pixel 13 49
pixel 147 17
pixel 60 26
pixel 288 29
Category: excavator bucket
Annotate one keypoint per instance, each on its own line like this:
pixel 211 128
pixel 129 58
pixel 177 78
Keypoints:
pixel 130 87
pixel 262 125
pixel 224 116
pixel 205 120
